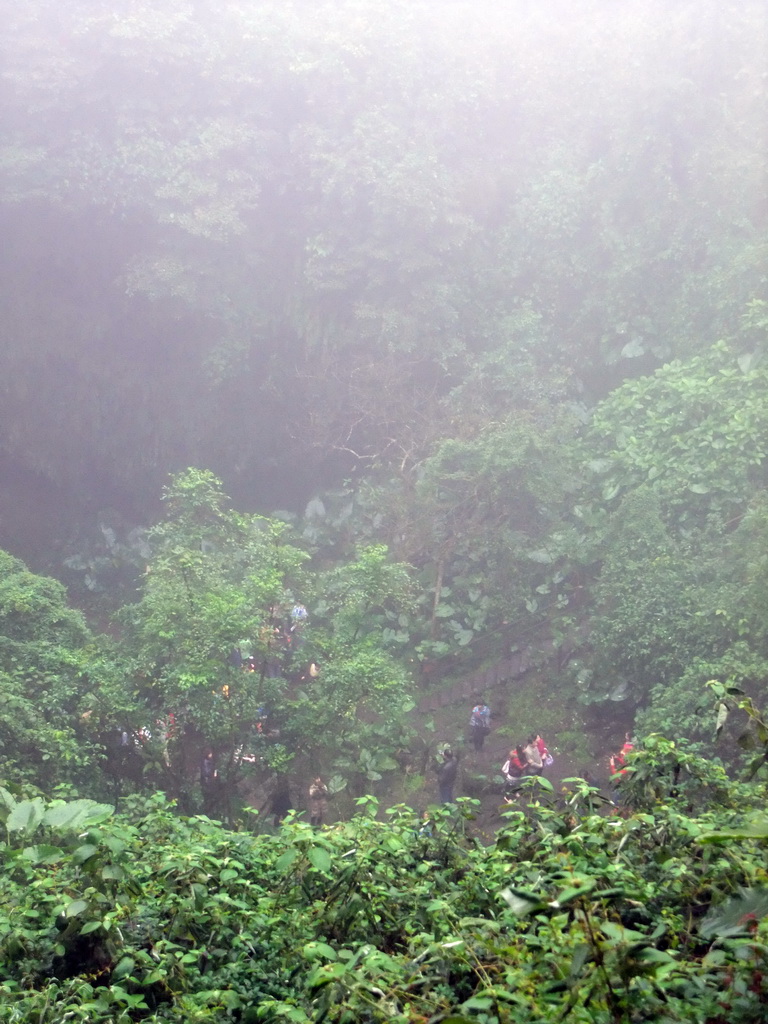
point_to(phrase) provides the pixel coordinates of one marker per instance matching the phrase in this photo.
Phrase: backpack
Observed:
(479, 717)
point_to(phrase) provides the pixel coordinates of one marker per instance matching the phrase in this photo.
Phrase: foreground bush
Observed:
(571, 915)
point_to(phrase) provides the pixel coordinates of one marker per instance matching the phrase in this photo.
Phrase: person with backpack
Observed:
(318, 802)
(513, 769)
(298, 614)
(479, 724)
(280, 801)
(534, 760)
(447, 770)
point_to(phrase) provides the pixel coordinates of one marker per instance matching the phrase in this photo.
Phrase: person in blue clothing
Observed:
(298, 614)
(479, 724)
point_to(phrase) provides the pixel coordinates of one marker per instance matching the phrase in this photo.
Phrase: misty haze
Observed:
(383, 519)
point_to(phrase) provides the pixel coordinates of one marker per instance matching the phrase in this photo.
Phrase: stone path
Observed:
(484, 681)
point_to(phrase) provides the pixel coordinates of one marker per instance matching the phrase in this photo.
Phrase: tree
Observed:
(480, 517)
(735, 598)
(216, 579)
(219, 583)
(568, 913)
(352, 715)
(46, 736)
(656, 604)
(694, 432)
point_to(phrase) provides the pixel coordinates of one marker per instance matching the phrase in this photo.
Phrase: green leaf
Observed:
(542, 556)
(285, 862)
(581, 955)
(748, 361)
(657, 956)
(77, 814)
(84, 853)
(42, 854)
(633, 349)
(617, 933)
(539, 780)
(478, 1003)
(26, 816)
(75, 908)
(336, 784)
(574, 892)
(319, 951)
(755, 828)
(326, 973)
(125, 966)
(319, 858)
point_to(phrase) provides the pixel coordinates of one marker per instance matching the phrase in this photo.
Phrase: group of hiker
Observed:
(448, 765)
(530, 758)
(523, 761)
(526, 759)
(279, 801)
(278, 642)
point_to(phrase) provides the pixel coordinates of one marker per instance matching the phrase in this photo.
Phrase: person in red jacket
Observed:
(513, 770)
(546, 757)
(618, 762)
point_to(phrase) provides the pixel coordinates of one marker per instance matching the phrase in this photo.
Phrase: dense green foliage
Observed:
(220, 584)
(656, 914)
(45, 738)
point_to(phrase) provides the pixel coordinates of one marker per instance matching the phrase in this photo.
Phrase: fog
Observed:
(278, 239)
